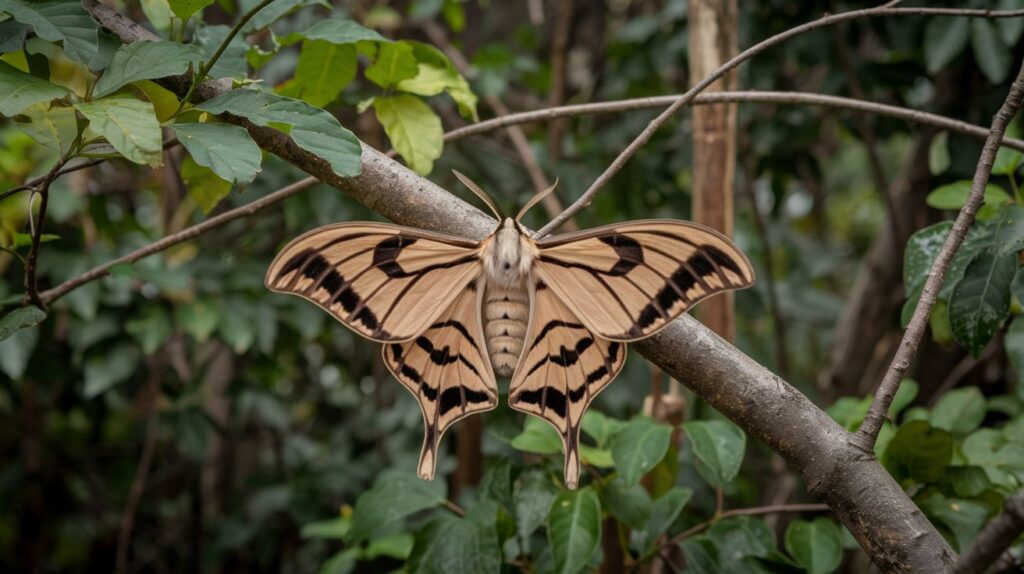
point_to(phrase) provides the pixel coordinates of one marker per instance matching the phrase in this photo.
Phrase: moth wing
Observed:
(627, 281)
(562, 367)
(447, 369)
(385, 282)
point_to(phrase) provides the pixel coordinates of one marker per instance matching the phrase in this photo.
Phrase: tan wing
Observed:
(561, 369)
(385, 282)
(447, 370)
(627, 281)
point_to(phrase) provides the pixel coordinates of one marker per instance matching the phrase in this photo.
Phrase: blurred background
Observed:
(176, 416)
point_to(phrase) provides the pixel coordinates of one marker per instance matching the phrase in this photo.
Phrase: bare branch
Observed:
(997, 536)
(755, 511)
(686, 98)
(868, 432)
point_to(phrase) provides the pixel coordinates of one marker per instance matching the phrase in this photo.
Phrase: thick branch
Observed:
(997, 536)
(868, 432)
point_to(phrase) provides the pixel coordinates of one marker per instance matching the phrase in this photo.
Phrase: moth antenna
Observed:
(536, 199)
(480, 193)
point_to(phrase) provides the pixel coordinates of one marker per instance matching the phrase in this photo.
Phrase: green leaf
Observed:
(1007, 159)
(20, 318)
(954, 196)
(16, 350)
(718, 444)
(335, 31)
(739, 538)
(272, 12)
(981, 300)
(963, 518)
(226, 149)
(968, 480)
(1014, 343)
(944, 39)
(393, 497)
(638, 446)
(919, 452)
(979, 237)
(701, 555)
(159, 14)
(233, 62)
(436, 74)
(574, 529)
(335, 528)
(1003, 462)
(59, 21)
(1010, 28)
(198, 319)
(146, 61)
(599, 427)
(204, 185)
(849, 411)
(1010, 235)
(394, 62)
(150, 328)
(312, 129)
(398, 546)
(19, 90)
(533, 494)
(815, 544)
(343, 562)
(104, 371)
(664, 511)
(922, 249)
(324, 69)
(130, 125)
(959, 411)
(12, 36)
(630, 504)
(414, 129)
(537, 437)
(991, 55)
(905, 395)
(938, 152)
(184, 9)
(53, 126)
(452, 545)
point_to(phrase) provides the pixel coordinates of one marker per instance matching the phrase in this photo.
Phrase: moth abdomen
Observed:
(506, 312)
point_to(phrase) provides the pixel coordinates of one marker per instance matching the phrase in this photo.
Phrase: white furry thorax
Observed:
(508, 255)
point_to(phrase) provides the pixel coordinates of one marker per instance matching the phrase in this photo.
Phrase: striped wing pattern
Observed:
(628, 281)
(447, 369)
(385, 282)
(562, 367)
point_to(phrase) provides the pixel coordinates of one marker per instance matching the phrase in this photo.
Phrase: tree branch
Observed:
(756, 511)
(997, 536)
(686, 98)
(868, 431)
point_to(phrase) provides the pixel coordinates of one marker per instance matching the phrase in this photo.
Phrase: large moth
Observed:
(553, 314)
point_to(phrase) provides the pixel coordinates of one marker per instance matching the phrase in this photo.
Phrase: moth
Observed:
(553, 314)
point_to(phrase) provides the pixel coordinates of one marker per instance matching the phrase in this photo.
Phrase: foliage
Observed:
(279, 443)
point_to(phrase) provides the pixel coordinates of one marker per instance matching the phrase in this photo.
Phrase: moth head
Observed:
(509, 254)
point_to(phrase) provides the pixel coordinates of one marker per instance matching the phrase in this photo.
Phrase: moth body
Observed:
(507, 256)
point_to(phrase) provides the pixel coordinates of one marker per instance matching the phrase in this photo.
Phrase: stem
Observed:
(996, 537)
(865, 437)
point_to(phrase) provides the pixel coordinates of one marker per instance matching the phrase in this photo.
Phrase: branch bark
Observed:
(868, 432)
(997, 536)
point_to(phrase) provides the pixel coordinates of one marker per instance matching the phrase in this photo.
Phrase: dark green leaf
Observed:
(15, 352)
(343, 562)
(150, 328)
(1002, 461)
(59, 21)
(938, 151)
(537, 437)
(533, 494)
(129, 124)
(981, 300)
(313, 129)
(991, 55)
(944, 39)
(146, 61)
(393, 497)
(232, 63)
(198, 319)
(451, 545)
(638, 446)
(574, 529)
(664, 511)
(323, 70)
(599, 427)
(718, 444)
(701, 555)
(739, 538)
(12, 36)
(1010, 28)
(963, 518)
(103, 371)
(336, 31)
(19, 319)
(1010, 235)
(19, 90)
(631, 505)
(919, 452)
(226, 149)
(968, 481)
(53, 126)
(184, 9)
(922, 249)
(394, 62)
(335, 528)
(959, 411)
(815, 544)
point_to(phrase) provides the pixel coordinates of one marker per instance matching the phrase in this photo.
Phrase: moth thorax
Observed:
(506, 311)
(507, 257)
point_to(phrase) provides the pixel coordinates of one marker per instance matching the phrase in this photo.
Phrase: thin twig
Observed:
(686, 98)
(455, 508)
(868, 432)
(996, 537)
(755, 511)
(36, 223)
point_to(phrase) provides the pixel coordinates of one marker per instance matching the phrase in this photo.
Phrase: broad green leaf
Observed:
(739, 538)
(335, 31)
(184, 9)
(638, 446)
(968, 481)
(198, 319)
(204, 185)
(19, 90)
(414, 129)
(393, 497)
(919, 452)
(452, 545)
(20, 318)
(815, 544)
(630, 504)
(159, 14)
(596, 457)
(395, 62)
(701, 555)
(903, 397)
(312, 129)
(963, 518)
(664, 511)
(150, 328)
(922, 249)
(959, 411)
(335, 528)
(226, 149)
(16, 350)
(1010, 235)
(599, 427)
(436, 74)
(1010, 28)
(718, 444)
(12, 35)
(53, 126)
(1007, 159)
(944, 39)
(1002, 461)
(146, 61)
(954, 196)
(233, 62)
(324, 69)
(59, 21)
(533, 494)
(938, 152)
(129, 125)
(103, 371)
(537, 437)
(981, 300)
(574, 529)
(979, 237)
(272, 12)
(991, 55)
